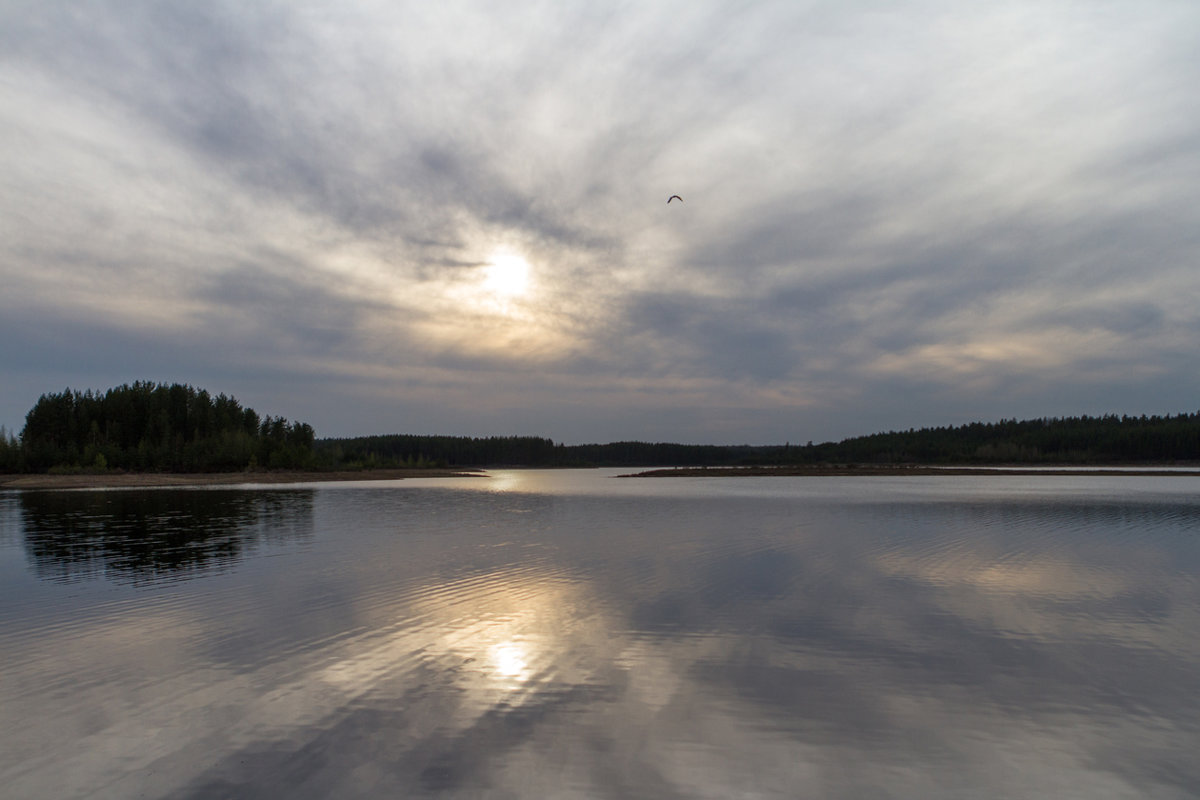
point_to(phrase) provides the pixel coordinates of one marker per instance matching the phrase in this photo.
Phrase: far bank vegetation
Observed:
(1073, 440)
(151, 427)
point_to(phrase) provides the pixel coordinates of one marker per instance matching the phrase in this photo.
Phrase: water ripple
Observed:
(833, 639)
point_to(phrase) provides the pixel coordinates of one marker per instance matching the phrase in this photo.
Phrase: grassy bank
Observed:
(875, 470)
(135, 480)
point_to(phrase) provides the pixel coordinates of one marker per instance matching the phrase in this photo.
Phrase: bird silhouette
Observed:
(674, 197)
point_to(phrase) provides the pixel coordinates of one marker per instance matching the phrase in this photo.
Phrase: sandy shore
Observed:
(740, 472)
(134, 480)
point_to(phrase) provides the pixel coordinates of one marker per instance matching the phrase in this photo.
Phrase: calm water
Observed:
(573, 635)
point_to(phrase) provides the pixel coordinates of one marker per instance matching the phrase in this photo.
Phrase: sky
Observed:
(451, 218)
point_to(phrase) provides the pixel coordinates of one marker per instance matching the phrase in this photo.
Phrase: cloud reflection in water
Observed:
(681, 640)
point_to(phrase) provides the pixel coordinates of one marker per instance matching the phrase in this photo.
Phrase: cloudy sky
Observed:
(443, 218)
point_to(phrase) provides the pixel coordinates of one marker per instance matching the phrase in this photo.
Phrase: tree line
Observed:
(407, 450)
(159, 427)
(1107, 439)
(153, 427)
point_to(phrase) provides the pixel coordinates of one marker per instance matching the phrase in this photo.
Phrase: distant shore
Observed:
(140, 480)
(872, 470)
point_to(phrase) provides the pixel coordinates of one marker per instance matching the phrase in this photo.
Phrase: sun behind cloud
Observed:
(501, 307)
(507, 275)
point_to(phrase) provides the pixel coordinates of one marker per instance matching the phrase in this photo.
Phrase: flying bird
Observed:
(674, 197)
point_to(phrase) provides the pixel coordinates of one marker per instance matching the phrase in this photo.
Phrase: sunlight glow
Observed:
(507, 275)
(504, 305)
(510, 660)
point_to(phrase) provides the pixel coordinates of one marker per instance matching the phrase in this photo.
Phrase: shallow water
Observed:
(572, 634)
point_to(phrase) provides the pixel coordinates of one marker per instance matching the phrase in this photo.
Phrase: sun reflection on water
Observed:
(509, 636)
(509, 660)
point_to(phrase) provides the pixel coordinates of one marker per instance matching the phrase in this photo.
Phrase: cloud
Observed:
(870, 191)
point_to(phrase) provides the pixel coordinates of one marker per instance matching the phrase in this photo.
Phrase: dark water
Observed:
(569, 634)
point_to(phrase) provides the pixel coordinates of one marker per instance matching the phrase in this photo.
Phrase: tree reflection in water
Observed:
(147, 536)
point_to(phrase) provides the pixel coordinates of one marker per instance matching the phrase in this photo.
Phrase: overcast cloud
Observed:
(895, 214)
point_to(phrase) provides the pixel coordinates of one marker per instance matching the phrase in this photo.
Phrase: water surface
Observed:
(571, 634)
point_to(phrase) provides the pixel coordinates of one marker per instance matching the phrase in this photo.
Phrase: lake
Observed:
(571, 634)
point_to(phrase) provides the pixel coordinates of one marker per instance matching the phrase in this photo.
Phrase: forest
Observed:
(152, 427)
(1108, 439)
(148, 426)
(405, 450)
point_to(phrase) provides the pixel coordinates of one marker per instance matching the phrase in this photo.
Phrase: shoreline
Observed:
(154, 480)
(894, 470)
(151, 480)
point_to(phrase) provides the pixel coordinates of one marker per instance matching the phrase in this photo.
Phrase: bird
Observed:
(674, 197)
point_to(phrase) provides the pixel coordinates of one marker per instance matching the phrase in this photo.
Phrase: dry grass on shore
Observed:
(897, 469)
(137, 480)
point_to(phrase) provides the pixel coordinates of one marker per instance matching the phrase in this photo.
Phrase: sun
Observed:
(506, 275)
